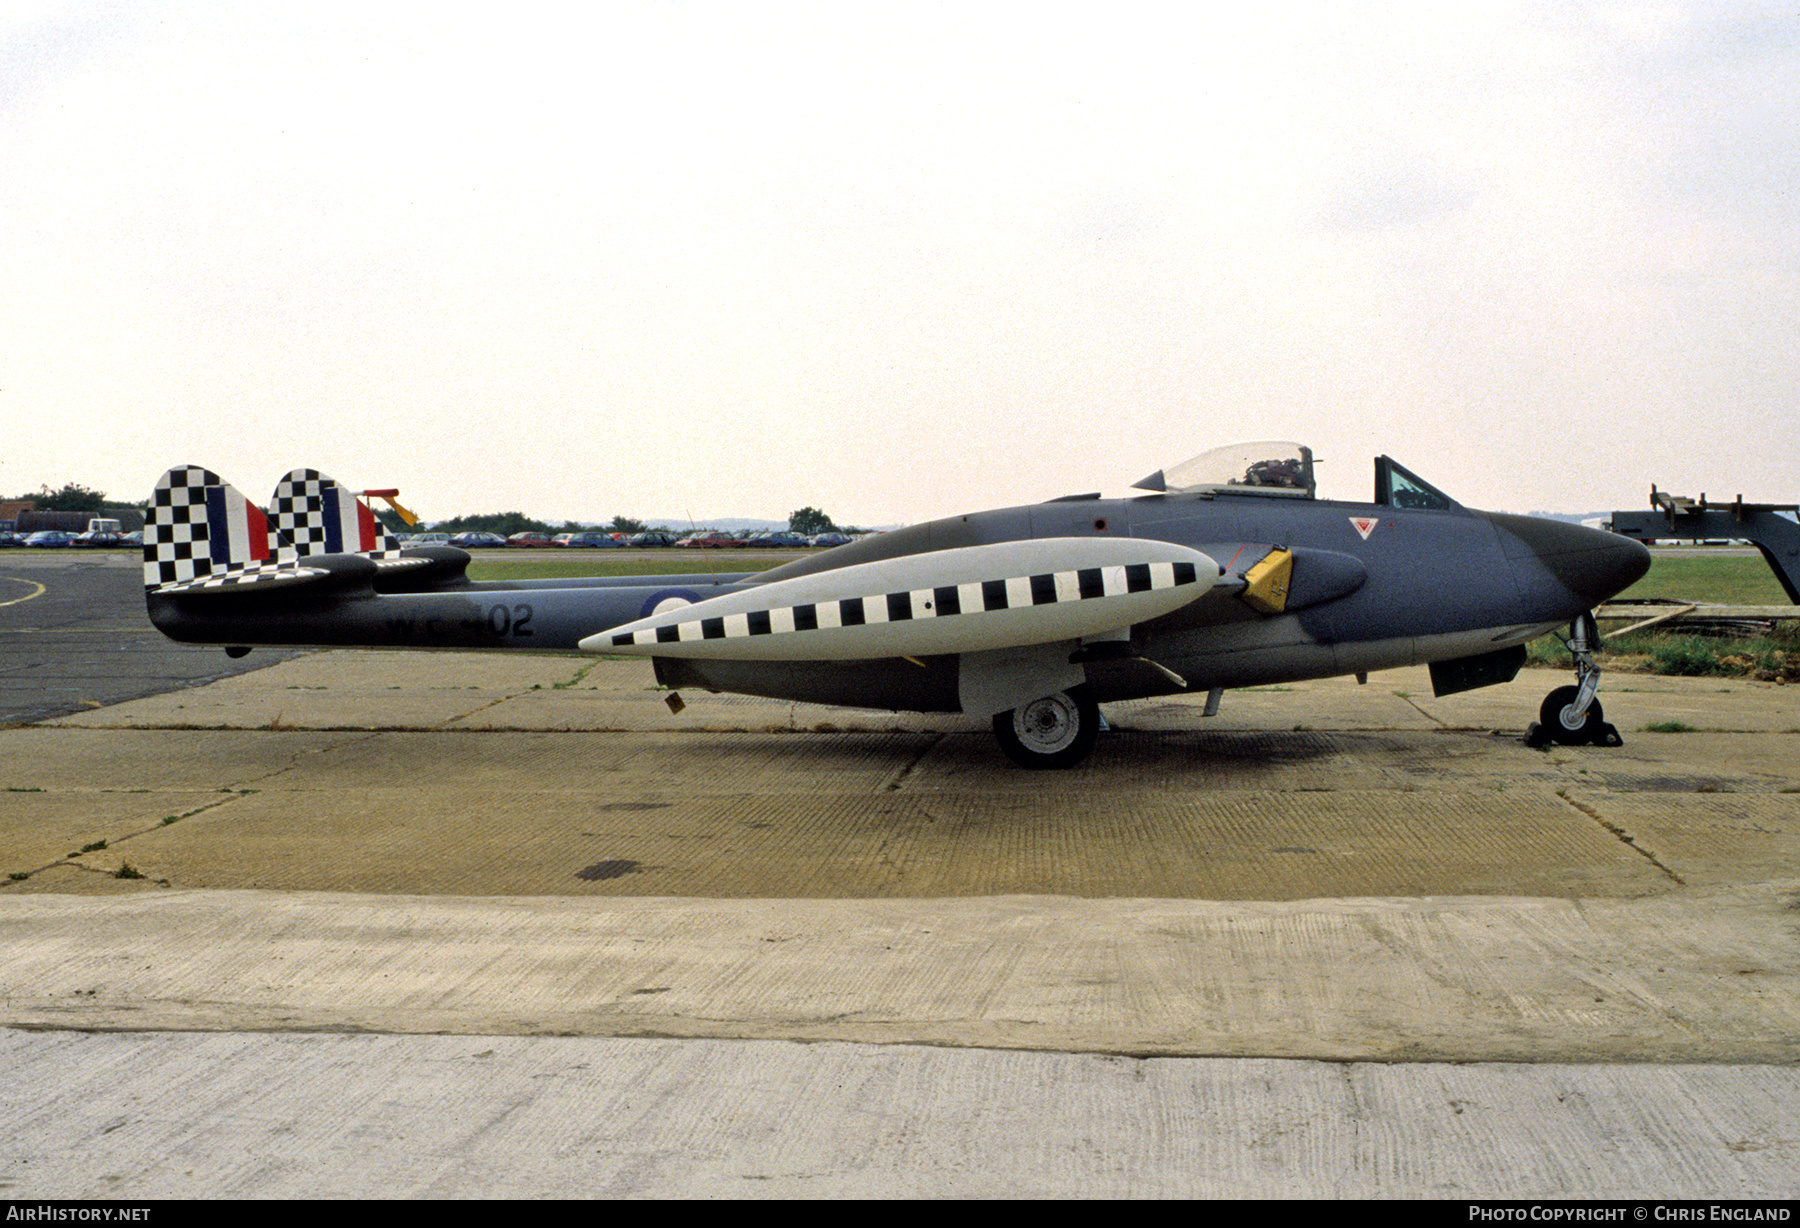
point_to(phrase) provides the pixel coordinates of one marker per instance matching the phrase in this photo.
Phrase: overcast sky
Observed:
(898, 261)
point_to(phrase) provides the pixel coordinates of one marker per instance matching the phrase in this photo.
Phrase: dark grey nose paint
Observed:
(1566, 569)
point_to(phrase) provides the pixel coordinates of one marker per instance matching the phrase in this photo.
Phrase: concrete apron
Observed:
(415, 843)
(1698, 976)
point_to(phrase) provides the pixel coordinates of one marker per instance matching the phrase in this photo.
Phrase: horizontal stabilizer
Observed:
(260, 578)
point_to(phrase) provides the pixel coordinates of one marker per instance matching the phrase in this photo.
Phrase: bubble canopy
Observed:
(1269, 467)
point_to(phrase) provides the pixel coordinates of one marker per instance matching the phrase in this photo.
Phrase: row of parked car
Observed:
(772, 539)
(56, 539)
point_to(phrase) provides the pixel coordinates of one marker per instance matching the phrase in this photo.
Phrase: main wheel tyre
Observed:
(1056, 731)
(1555, 716)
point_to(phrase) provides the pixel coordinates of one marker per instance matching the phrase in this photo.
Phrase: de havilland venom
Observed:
(1229, 573)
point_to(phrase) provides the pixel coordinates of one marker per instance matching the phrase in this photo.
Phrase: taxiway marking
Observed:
(28, 596)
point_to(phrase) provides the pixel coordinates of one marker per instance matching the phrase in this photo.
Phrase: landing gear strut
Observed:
(1572, 715)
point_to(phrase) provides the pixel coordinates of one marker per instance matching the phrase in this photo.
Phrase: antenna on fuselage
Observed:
(695, 526)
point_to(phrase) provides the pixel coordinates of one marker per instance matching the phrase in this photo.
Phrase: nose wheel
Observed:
(1565, 723)
(1572, 715)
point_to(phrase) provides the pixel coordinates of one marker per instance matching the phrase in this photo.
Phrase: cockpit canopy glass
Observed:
(1271, 467)
(1398, 486)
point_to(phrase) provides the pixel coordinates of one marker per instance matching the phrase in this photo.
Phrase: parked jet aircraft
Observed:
(1228, 572)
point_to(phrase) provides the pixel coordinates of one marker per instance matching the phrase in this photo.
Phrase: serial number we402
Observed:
(509, 620)
(500, 620)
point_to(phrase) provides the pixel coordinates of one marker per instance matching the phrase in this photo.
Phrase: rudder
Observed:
(321, 517)
(201, 532)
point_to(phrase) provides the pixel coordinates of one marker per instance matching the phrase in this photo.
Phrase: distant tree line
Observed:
(508, 523)
(808, 520)
(73, 497)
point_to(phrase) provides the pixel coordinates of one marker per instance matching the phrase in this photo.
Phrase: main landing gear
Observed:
(1056, 731)
(1571, 715)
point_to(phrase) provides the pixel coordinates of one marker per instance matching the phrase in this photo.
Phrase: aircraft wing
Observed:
(965, 600)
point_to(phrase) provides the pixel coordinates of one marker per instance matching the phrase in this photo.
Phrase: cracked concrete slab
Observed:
(294, 1116)
(121, 760)
(36, 831)
(1708, 839)
(345, 690)
(1694, 976)
(471, 839)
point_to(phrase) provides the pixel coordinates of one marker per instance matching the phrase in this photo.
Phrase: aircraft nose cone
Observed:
(1564, 569)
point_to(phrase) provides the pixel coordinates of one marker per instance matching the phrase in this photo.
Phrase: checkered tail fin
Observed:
(320, 517)
(201, 535)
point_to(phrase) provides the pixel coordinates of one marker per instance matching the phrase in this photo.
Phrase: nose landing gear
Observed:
(1571, 715)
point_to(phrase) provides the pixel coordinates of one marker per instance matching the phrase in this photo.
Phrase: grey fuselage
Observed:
(1412, 587)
